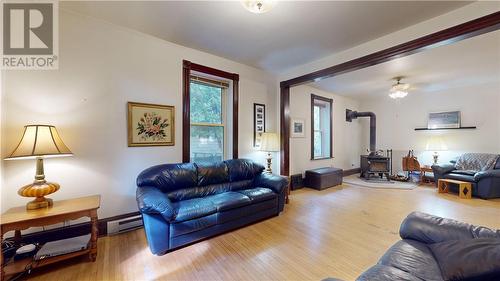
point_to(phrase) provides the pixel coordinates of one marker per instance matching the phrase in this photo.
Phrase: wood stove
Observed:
(373, 163)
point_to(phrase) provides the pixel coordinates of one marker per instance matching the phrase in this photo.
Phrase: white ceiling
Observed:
(291, 34)
(470, 62)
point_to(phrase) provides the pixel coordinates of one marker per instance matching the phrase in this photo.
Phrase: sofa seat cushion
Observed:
(382, 272)
(413, 257)
(193, 208)
(258, 194)
(229, 200)
(185, 227)
(460, 177)
(465, 172)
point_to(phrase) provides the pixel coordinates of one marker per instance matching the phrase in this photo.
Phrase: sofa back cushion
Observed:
(185, 181)
(169, 177)
(214, 173)
(243, 169)
(198, 191)
(239, 185)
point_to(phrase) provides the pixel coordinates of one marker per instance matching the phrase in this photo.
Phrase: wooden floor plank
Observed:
(337, 232)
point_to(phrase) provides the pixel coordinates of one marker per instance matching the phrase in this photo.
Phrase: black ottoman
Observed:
(322, 178)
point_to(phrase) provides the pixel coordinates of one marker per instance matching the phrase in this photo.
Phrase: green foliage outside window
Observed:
(206, 104)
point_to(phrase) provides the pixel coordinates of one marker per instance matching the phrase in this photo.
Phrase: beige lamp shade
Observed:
(435, 144)
(40, 141)
(269, 142)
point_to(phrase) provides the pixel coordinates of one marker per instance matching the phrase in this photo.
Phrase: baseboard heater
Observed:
(124, 225)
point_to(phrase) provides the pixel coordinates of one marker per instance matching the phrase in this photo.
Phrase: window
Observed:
(321, 124)
(226, 106)
(207, 120)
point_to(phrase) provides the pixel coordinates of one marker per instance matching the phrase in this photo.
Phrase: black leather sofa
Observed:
(485, 184)
(184, 203)
(435, 248)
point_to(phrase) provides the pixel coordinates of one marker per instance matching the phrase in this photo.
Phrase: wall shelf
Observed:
(460, 128)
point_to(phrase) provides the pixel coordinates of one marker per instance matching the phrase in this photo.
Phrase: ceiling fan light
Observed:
(258, 6)
(398, 94)
(399, 90)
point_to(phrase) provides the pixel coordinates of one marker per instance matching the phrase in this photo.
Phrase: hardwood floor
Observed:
(338, 232)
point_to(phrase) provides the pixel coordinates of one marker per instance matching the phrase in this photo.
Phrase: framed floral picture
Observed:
(150, 124)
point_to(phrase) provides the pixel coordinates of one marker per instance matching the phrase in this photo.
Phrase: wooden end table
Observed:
(19, 218)
(465, 188)
(423, 170)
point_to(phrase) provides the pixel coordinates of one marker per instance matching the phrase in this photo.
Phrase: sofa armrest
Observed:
(151, 200)
(277, 183)
(432, 229)
(487, 174)
(442, 168)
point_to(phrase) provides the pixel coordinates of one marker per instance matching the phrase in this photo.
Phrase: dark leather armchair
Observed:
(485, 184)
(184, 203)
(435, 248)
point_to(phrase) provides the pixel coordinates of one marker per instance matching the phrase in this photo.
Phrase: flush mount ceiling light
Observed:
(258, 6)
(399, 90)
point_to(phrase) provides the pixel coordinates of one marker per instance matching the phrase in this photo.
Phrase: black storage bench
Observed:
(322, 178)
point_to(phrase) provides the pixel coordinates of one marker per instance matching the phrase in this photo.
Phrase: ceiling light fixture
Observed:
(399, 90)
(258, 6)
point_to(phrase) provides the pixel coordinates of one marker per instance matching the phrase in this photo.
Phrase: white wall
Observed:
(396, 121)
(101, 67)
(346, 136)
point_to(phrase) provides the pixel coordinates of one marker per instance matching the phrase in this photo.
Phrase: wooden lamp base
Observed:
(38, 203)
(38, 190)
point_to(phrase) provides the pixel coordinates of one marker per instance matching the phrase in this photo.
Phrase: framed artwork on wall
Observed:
(298, 128)
(259, 123)
(150, 124)
(444, 120)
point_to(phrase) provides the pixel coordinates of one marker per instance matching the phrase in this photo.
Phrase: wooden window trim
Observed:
(330, 103)
(187, 69)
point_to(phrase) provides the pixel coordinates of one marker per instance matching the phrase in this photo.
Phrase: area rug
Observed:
(376, 183)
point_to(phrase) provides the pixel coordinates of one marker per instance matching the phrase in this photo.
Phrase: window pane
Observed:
(207, 144)
(317, 118)
(321, 124)
(206, 103)
(318, 144)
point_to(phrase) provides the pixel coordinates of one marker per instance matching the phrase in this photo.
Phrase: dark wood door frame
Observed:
(187, 67)
(447, 36)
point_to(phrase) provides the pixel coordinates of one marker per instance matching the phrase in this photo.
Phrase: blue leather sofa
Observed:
(435, 248)
(485, 184)
(184, 203)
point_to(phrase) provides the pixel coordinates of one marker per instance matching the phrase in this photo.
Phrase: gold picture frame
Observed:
(150, 124)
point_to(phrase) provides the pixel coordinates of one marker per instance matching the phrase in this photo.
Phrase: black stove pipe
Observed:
(351, 114)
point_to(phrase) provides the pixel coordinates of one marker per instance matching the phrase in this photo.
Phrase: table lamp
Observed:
(39, 142)
(269, 142)
(435, 144)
